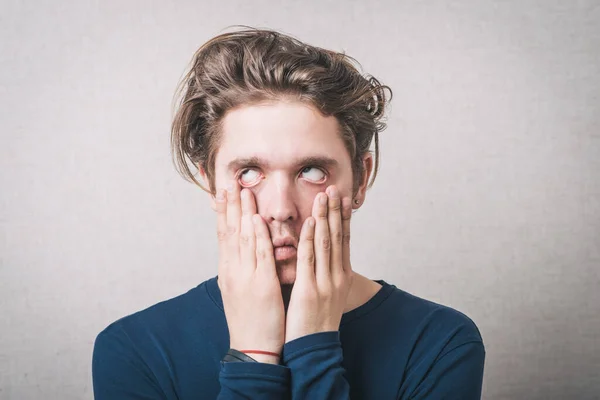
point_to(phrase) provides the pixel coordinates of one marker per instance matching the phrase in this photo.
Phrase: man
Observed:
(280, 133)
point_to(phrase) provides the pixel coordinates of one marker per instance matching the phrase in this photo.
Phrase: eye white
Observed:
(249, 176)
(315, 175)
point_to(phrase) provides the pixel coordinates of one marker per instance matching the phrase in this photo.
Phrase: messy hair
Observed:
(255, 65)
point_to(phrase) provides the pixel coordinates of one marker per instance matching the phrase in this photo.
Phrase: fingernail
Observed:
(323, 199)
(230, 188)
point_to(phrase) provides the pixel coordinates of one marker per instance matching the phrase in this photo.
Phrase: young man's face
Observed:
(285, 153)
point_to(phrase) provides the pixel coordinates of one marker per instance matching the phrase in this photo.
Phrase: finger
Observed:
(346, 215)
(265, 260)
(305, 269)
(222, 235)
(334, 219)
(234, 214)
(247, 236)
(322, 241)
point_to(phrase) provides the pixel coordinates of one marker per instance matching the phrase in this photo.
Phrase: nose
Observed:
(278, 200)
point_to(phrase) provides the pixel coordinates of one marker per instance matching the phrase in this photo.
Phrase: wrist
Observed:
(265, 358)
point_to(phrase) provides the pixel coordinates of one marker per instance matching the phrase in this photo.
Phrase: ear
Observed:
(362, 189)
(202, 173)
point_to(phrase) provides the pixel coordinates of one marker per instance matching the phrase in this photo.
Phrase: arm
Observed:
(120, 373)
(315, 362)
(323, 279)
(252, 380)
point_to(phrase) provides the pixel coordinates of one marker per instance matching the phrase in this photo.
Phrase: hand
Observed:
(323, 272)
(248, 279)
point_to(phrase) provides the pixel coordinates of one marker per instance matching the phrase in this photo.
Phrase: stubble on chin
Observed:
(286, 272)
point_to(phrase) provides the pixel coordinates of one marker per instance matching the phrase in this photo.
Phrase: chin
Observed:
(286, 272)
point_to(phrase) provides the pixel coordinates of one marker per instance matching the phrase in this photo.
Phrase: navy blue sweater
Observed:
(395, 346)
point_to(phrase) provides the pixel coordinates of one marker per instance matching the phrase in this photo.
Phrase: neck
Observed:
(361, 291)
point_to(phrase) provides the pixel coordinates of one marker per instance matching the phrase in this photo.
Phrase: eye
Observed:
(314, 174)
(249, 177)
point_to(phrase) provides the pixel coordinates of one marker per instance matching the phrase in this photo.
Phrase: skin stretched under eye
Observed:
(249, 176)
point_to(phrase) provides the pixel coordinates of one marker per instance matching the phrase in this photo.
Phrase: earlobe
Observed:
(367, 170)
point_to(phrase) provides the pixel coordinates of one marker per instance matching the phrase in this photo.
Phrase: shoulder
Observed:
(437, 335)
(439, 348)
(446, 350)
(427, 330)
(428, 318)
(165, 317)
(134, 354)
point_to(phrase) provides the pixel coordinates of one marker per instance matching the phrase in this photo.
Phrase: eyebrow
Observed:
(318, 161)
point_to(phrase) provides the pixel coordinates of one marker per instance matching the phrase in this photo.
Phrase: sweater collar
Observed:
(386, 289)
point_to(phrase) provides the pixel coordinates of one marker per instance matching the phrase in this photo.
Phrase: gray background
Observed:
(487, 201)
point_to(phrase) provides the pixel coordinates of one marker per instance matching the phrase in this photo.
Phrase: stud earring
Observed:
(356, 201)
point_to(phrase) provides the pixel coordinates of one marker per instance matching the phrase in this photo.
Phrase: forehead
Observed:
(280, 132)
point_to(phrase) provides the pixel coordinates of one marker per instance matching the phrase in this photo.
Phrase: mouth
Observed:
(284, 248)
(283, 253)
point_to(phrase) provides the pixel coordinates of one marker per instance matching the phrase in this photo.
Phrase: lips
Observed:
(284, 248)
(285, 241)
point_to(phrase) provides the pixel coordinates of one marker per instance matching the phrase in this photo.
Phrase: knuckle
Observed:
(326, 243)
(232, 198)
(338, 237)
(309, 258)
(339, 279)
(346, 238)
(232, 230)
(326, 294)
(222, 236)
(261, 254)
(245, 239)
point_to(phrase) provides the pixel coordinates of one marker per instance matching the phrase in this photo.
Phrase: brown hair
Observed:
(254, 65)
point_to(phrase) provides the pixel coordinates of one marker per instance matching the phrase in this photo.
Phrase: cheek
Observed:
(304, 212)
(307, 199)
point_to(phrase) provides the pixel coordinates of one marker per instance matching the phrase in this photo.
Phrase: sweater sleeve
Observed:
(120, 373)
(250, 380)
(315, 362)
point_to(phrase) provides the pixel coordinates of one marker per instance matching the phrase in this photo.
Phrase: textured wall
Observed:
(488, 197)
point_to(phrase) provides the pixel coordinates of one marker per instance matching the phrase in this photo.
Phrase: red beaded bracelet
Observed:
(266, 353)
